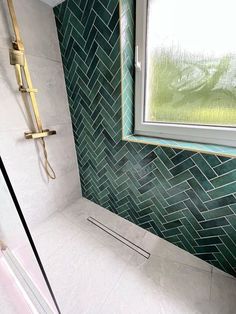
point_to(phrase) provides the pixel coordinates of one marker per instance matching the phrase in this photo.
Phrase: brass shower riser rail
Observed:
(18, 60)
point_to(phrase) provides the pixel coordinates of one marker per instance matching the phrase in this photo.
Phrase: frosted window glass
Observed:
(191, 62)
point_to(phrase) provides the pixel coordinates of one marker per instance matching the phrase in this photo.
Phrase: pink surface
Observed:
(11, 291)
(27, 259)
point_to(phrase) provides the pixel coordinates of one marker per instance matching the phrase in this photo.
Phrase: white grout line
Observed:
(119, 237)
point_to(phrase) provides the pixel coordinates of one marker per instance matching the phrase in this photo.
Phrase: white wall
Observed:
(11, 229)
(38, 198)
(53, 3)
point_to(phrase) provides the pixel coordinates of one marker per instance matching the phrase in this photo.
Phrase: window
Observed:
(185, 61)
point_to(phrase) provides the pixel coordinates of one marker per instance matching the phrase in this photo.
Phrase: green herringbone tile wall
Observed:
(187, 198)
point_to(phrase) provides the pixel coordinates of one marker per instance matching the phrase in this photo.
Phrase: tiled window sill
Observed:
(196, 147)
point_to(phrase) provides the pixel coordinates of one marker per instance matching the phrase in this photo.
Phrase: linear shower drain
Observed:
(119, 237)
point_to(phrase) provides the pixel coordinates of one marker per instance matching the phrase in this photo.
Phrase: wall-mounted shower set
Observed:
(18, 59)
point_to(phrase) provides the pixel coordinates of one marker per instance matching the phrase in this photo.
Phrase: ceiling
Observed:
(52, 3)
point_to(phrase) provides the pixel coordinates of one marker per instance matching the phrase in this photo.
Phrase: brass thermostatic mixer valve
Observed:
(18, 60)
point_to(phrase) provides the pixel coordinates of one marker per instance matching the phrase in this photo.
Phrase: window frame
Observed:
(184, 132)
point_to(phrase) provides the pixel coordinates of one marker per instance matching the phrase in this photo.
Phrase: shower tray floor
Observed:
(92, 272)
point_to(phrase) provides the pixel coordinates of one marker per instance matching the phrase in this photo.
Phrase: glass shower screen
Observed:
(23, 282)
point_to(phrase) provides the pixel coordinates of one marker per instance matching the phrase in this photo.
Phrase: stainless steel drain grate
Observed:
(119, 237)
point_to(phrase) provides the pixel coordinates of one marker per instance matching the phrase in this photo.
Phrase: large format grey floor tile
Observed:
(53, 235)
(91, 272)
(160, 247)
(83, 270)
(160, 286)
(223, 294)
